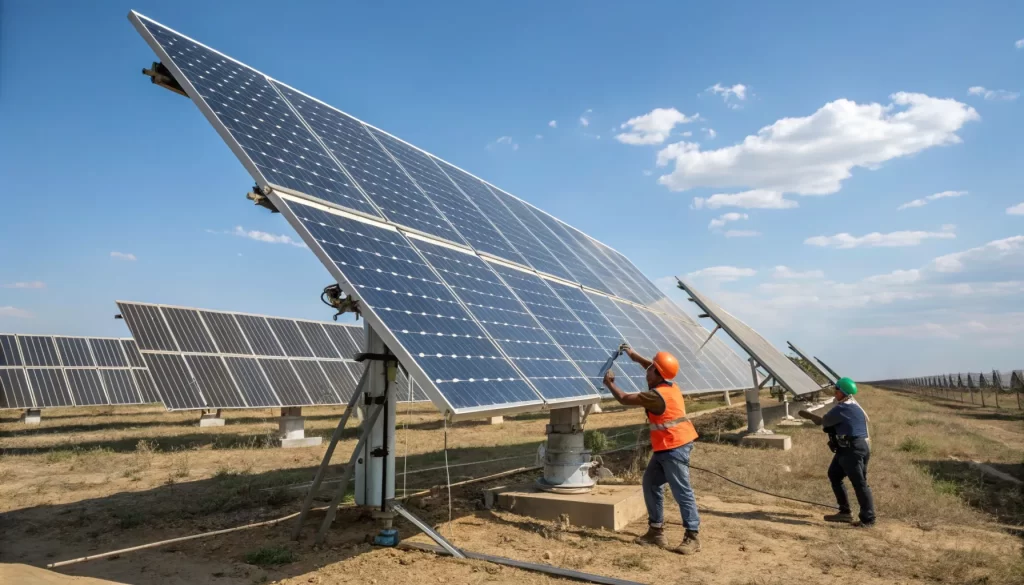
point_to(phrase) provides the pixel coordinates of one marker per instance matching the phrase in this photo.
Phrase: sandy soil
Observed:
(82, 483)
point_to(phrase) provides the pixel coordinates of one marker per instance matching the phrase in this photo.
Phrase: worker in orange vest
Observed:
(672, 437)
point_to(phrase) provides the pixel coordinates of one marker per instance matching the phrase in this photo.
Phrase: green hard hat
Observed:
(846, 386)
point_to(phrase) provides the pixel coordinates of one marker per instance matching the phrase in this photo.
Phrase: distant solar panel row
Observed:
(500, 305)
(44, 371)
(1001, 380)
(213, 359)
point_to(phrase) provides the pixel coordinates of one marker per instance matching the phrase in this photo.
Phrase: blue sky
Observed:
(863, 112)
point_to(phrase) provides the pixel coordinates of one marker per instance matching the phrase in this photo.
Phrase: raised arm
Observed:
(623, 398)
(644, 362)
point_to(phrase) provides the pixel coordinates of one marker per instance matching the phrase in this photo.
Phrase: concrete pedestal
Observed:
(566, 460)
(605, 506)
(779, 442)
(291, 430)
(32, 416)
(211, 419)
(497, 420)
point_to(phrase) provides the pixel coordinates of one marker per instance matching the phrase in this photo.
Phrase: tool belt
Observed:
(668, 425)
(836, 442)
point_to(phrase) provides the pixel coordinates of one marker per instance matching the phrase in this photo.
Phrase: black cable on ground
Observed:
(753, 489)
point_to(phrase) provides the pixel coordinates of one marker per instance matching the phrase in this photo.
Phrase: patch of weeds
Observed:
(632, 561)
(595, 441)
(913, 445)
(946, 487)
(142, 459)
(60, 456)
(270, 556)
(181, 465)
(576, 561)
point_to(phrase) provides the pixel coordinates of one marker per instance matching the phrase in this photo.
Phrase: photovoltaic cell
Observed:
(362, 156)
(284, 380)
(86, 387)
(148, 327)
(317, 339)
(347, 345)
(619, 283)
(315, 381)
(38, 350)
(14, 390)
(260, 337)
(287, 332)
(9, 355)
(49, 388)
(74, 352)
(188, 330)
(180, 392)
(581, 256)
(214, 381)
(341, 379)
(120, 386)
(131, 351)
(147, 389)
(109, 353)
(418, 309)
(226, 333)
(252, 382)
(260, 121)
(508, 322)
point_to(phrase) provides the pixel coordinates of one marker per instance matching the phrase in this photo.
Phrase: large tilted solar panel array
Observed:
(822, 369)
(213, 359)
(50, 371)
(785, 372)
(490, 302)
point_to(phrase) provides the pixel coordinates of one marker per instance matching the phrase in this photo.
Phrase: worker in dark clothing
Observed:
(672, 437)
(847, 428)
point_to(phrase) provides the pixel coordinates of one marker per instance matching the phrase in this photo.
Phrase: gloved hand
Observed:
(609, 378)
(624, 347)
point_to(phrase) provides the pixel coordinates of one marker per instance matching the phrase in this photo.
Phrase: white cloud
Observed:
(265, 237)
(742, 233)
(969, 325)
(553, 124)
(653, 127)
(895, 277)
(755, 199)
(1015, 209)
(813, 155)
(731, 94)
(899, 239)
(648, 172)
(923, 330)
(538, 136)
(15, 312)
(993, 95)
(1019, 44)
(503, 141)
(23, 285)
(926, 200)
(123, 256)
(726, 218)
(999, 257)
(585, 118)
(787, 273)
(722, 273)
(710, 132)
(687, 134)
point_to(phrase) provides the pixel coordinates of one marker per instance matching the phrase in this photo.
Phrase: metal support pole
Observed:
(728, 399)
(332, 508)
(322, 470)
(755, 421)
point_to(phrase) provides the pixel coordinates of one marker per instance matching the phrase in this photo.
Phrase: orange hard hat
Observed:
(666, 364)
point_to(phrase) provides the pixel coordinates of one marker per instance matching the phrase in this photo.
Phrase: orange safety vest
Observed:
(671, 428)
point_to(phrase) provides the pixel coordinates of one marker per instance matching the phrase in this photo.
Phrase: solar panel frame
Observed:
(10, 353)
(813, 361)
(49, 387)
(38, 351)
(120, 386)
(15, 391)
(785, 372)
(86, 387)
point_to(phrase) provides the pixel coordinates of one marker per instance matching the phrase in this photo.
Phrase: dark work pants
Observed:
(852, 462)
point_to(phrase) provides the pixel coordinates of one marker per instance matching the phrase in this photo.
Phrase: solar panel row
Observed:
(213, 359)
(476, 306)
(42, 371)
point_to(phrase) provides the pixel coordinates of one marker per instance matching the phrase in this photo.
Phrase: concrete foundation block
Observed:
(32, 416)
(302, 442)
(779, 442)
(790, 423)
(497, 420)
(211, 422)
(291, 427)
(605, 506)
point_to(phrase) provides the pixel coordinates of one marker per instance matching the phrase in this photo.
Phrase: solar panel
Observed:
(785, 372)
(67, 371)
(236, 360)
(827, 368)
(813, 362)
(414, 238)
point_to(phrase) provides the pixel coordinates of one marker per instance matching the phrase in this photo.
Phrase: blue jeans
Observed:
(671, 467)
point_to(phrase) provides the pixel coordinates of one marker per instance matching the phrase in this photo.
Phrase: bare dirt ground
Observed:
(88, 481)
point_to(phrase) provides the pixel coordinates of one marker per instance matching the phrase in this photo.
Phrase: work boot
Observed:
(655, 536)
(843, 517)
(690, 544)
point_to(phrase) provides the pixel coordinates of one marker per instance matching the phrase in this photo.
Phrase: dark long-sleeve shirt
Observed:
(846, 419)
